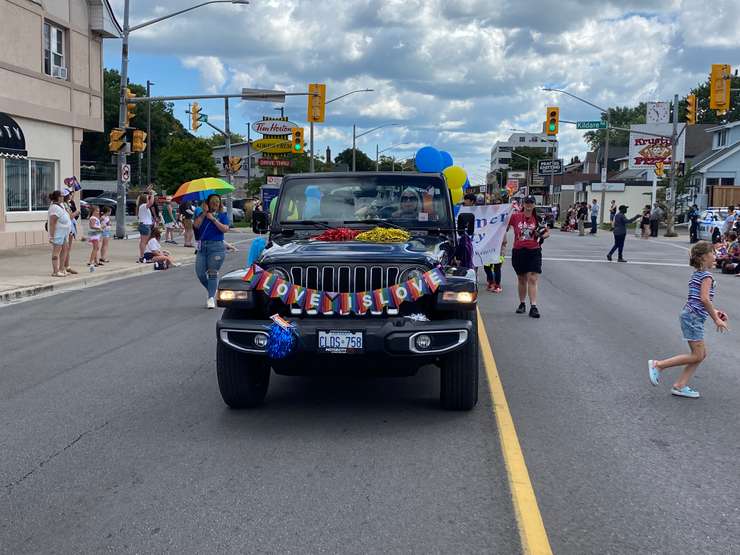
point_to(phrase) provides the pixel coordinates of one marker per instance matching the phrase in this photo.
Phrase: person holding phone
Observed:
(211, 222)
(146, 221)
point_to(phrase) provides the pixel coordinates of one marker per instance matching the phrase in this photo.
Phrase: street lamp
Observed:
(355, 136)
(529, 161)
(121, 158)
(605, 165)
(378, 152)
(311, 162)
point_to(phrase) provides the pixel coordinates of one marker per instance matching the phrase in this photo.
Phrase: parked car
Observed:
(84, 209)
(712, 218)
(547, 213)
(237, 214)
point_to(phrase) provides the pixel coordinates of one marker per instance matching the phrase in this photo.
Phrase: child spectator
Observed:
(154, 253)
(94, 237)
(105, 234)
(697, 309)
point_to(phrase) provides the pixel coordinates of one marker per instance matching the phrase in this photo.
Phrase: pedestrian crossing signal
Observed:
(552, 120)
(297, 140)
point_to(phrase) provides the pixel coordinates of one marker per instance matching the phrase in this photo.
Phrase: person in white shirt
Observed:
(146, 222)
(154, 253)
(59, 226)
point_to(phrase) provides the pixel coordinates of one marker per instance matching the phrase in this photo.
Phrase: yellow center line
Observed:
(528, 518)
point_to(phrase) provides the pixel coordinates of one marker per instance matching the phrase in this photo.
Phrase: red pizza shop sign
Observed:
(273, 127)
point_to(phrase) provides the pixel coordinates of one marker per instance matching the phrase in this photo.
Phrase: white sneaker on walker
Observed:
(211, 303)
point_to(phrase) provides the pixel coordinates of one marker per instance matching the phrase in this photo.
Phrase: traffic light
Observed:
(660, 169)
(235, 164)
(138, 143)
(297, 139)
(195, 116)
(130, 108)
(316, 102)
(552, 120)
(117, 139)
(691, 109)
(719, 88)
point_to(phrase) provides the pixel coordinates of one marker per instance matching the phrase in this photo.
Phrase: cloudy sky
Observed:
(456, 74)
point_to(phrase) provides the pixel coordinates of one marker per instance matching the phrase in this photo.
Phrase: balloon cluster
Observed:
(430, 160)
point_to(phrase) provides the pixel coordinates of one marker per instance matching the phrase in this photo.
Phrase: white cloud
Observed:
(212, 71)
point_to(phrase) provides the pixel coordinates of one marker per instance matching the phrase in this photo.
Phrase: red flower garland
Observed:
(339, 234)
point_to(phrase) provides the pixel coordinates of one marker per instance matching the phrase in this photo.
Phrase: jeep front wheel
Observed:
(242, 378)
(459, 372)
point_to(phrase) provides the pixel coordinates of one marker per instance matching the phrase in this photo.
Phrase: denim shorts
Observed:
(145, 229)
(692, 325)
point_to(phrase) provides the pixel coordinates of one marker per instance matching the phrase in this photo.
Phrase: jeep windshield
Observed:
(406, 200)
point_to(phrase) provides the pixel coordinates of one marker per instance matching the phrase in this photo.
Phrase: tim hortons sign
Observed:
(273, 127)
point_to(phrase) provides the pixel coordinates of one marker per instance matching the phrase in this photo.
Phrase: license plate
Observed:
(341, 341)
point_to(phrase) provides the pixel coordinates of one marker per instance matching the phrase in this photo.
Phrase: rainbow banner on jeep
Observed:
(332, 302)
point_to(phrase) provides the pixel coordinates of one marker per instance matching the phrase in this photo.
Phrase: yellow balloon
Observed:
(457, 195)
(455, 177)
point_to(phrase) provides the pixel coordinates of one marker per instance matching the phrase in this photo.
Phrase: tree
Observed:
(363, 163)
(621, 116)
(300, 163)
(184, 159)
(534, 154)
(704, 114)
(217, 139)
(164, 125)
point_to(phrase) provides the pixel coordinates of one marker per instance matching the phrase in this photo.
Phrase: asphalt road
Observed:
(620, 466)
(114, 438)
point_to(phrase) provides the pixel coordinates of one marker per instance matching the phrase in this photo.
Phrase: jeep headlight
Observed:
(411, 273)
(228, 295)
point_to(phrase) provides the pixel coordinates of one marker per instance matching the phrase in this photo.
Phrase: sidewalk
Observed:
(27, 272)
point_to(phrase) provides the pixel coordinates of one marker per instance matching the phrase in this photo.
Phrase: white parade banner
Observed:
(490, 228)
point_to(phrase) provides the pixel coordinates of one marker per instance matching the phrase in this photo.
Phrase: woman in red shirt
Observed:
(526, 255)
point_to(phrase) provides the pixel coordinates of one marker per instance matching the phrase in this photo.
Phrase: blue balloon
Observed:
(456, 209)
(446, 159)
(312, 191)
(466, 184)
(429, 160)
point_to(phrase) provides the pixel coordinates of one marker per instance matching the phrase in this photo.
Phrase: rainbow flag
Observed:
(275, 288)
(253, 274)
(434, 278)
(327, 302)
(287, 292)
(415, 288)
(399, 294)
(380, 298)
(296, 295)
(359, 307)
(265, 281)
(346, 300)
(310, 302)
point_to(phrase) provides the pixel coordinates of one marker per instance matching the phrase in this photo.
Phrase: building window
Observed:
(533, 140)
(722, 138)
(727, 181)
(54, 60)
(522, 139)
(28, 184)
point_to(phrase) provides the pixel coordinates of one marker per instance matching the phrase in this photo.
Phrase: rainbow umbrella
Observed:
(199, 189)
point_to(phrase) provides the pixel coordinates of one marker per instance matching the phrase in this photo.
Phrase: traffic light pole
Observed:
(310, 149)
(671, 205)
(229, 199)
(121, 156)
(149, 133)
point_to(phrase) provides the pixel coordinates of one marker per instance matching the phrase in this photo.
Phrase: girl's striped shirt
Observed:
(694, 302)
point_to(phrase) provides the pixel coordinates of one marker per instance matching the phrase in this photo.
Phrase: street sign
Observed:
(126, 173)
(276, 180)
(263, 95)
(607, 187)
(516, 175)
(550, 167)
(270, 163)
(272, 146)
(590, 125)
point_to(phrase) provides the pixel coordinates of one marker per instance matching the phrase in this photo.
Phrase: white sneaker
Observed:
(211, 303)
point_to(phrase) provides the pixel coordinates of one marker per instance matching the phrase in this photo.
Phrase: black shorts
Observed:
(526, 260)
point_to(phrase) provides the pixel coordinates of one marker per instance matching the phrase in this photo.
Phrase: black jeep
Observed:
(437, 328)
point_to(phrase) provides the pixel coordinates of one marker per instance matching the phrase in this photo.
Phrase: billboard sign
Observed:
(273, 127)
(646, 150)
(272, 146)
(550, 167)
(273, 163)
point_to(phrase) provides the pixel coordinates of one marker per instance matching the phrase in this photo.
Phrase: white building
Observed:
(501, 152)
(51, 76)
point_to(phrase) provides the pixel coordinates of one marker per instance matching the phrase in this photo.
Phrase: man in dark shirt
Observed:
(694, 227)
(620, 232)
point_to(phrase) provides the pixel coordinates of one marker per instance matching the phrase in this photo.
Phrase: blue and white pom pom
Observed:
(281, 339)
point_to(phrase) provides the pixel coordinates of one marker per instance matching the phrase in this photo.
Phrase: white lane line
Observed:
(669, 244)
(673, 264)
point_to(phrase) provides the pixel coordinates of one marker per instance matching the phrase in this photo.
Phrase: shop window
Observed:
(28, 184)
(54, 59)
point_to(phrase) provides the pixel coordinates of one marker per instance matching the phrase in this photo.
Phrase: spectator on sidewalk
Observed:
(106, 233)
(645, 222)
(729, 222)
(186, 215)
(655, 218)
(595, 208)
(154, 252)
(612, 213)
(59, 225)
(94, 237)
(581, 215)
(146, 222)
(168, 219)
(74, 213)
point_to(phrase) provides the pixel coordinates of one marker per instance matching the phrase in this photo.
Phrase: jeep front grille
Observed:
(344, 279)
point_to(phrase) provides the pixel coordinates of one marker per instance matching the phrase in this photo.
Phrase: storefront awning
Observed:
(12, 140)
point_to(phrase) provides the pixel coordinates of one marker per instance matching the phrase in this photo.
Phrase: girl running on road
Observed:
(695, 312)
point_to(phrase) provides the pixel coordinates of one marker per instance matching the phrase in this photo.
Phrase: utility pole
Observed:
(605, 168)
(377, 154)
(121, 156)
(670, 205)
(149, 133)
(354, 141)
(311, 166)
(229, 201)
(249, 153)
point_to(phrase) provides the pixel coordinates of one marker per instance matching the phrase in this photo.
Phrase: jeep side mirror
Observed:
(260, 222)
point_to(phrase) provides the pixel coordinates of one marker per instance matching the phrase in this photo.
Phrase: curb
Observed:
(81, 282)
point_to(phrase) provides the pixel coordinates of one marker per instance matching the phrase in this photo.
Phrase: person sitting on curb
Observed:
(154, 253)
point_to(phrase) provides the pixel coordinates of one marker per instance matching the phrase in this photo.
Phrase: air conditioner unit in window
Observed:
(59, 72)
